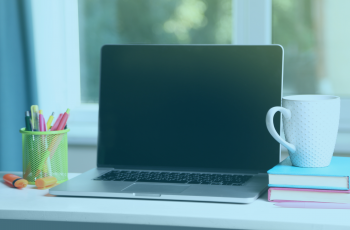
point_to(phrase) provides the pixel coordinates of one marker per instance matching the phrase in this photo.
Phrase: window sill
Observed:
(85, 133)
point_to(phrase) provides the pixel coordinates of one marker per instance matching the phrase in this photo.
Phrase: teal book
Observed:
(335, 176)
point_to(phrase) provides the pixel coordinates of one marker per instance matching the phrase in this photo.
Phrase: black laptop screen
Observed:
(196, 107)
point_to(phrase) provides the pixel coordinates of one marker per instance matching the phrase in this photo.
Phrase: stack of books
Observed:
(293, 184)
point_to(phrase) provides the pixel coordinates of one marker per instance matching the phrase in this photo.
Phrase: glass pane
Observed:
(315, 38)
(148, 22)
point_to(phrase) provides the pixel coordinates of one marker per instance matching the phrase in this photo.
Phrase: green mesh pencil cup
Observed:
(45, 154)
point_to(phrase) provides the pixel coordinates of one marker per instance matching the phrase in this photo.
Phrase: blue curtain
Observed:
(17, 79)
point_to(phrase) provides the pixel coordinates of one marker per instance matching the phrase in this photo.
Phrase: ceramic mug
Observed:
(310, 124)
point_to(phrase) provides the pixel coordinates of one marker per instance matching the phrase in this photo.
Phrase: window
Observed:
(69, 40)
(317, 50)
(315, 43)
(162, 22)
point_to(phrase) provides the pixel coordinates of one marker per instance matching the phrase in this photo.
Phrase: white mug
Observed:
(310, 124)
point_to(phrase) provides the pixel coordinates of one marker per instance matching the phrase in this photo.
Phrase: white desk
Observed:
(38, 205)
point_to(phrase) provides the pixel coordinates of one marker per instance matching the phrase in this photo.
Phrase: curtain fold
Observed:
(17, 79)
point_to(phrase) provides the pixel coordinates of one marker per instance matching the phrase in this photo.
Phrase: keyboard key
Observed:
(227, 178)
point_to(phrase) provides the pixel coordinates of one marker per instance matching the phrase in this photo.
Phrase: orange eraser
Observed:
(45, 182)
(15, 181)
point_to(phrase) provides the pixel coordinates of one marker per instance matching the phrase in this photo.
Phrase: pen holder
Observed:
(45, 154)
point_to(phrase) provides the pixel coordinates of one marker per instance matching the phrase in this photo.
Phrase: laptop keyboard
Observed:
(173, 177)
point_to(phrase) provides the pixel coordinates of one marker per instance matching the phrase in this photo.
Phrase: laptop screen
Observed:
(192, 107)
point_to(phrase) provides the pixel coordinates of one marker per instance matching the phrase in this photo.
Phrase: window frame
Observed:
(56, 42)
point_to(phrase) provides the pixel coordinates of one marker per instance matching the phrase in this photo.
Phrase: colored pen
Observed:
(35, 117)
(44, 123)
(29, 125)
(313, 205)
(63, 120)
(57, 122)
(28, 122)
(41, 121)
(15, 181)
(48, 125)
(43, 138)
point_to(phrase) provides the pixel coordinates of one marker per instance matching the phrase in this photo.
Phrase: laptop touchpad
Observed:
(155, 188)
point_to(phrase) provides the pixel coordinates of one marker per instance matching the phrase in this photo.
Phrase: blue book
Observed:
(335, 176)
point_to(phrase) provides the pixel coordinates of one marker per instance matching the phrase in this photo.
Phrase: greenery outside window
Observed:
(311, 32)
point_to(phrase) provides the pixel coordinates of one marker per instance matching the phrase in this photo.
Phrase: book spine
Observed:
(304, 190)
(309, 187)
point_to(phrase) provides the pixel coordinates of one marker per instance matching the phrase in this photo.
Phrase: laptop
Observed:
(184, 122)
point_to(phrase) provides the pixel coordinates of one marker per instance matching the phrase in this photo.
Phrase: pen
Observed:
(28, 122)
(44, 123)
(41, 121)
(313, 205)
(63, 120)
(35, 117)
(48, 125)
(57, 122)
(29, 125)
(43, 138)
(55, 143)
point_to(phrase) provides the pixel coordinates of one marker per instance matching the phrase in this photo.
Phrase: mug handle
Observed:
(271, 127)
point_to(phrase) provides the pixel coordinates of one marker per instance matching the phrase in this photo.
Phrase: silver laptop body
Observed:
(184, 122)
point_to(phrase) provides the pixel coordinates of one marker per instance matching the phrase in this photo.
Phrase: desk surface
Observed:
(33, 204)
